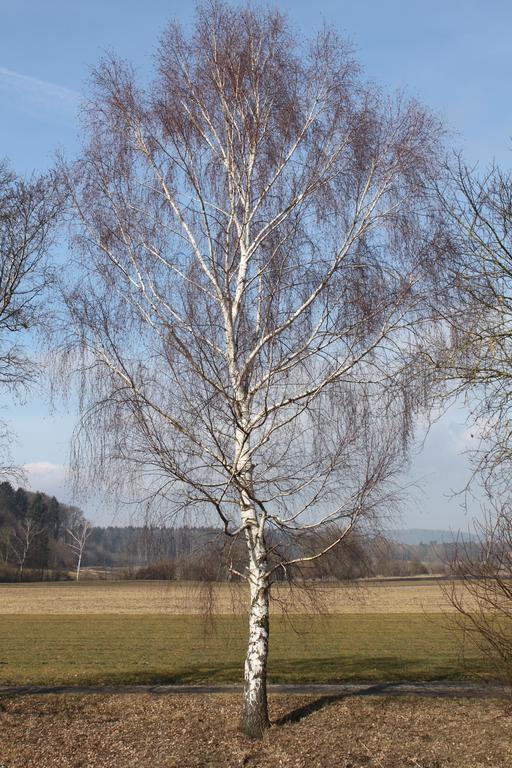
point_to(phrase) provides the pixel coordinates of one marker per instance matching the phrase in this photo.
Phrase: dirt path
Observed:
(437, 689)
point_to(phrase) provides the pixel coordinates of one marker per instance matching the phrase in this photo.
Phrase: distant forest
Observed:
(36, 538)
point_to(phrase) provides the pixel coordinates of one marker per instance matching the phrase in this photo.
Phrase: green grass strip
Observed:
(121, 649)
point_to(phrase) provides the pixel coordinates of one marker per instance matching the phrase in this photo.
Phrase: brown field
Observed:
(129, 731)
(146, 597)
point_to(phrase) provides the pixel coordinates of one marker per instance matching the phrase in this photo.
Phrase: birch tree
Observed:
(28, 212)
(257, 250)
(474, 359)
(22, 540)
(473, 362)
(78, 533)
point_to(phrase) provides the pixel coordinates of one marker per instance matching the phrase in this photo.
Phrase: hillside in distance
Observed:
(36, 543)
(415, 536)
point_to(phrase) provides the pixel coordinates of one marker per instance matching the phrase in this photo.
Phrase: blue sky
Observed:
(454, 56)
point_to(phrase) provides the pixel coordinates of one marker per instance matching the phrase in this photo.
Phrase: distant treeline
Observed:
(33, 530)
(35, 544)
(189, 552)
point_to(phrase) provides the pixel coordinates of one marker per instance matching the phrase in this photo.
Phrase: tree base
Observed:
(254, 720)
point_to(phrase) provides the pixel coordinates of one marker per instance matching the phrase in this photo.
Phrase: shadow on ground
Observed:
(326, 670)
(295, 715)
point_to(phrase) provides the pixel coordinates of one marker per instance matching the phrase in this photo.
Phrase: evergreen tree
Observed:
(7, 504)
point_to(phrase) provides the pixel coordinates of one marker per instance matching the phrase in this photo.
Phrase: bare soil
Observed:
(193, 731)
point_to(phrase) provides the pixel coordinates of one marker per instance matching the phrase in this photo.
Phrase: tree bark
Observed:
(254, 720)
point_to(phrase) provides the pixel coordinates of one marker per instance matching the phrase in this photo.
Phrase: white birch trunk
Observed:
(254, 719)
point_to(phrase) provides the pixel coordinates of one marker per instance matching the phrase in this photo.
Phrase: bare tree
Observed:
(78, 533)
(481, 589)
(257, 249)
(474, 362)
(21, 541)
(475, 357)
(28, 210)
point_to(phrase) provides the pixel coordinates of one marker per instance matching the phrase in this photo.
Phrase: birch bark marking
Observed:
(254, 719)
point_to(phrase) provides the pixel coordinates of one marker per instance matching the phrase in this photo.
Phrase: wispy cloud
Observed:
(38, 92)
(46, 476)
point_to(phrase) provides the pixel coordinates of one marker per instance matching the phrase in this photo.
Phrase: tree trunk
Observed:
(254, 720)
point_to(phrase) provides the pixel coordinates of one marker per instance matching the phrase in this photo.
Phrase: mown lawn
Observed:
(118, 649)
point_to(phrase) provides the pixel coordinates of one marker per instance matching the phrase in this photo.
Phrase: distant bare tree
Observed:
(21, 541)
(78, 533)
(258, 255)
(28, 210)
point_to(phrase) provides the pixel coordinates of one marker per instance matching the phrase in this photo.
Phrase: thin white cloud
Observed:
(47, 477)
(40, 92)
